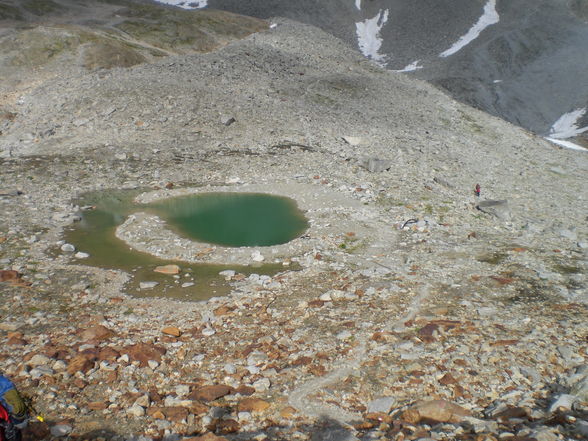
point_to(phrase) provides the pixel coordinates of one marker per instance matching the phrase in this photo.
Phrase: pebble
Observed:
(81, 255)
(148, 285)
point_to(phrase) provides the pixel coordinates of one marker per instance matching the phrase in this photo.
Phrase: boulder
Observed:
(435, 411)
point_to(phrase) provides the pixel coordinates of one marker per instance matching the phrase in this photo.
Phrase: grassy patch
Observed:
(495, 258)
(41, 7)
(8, 12)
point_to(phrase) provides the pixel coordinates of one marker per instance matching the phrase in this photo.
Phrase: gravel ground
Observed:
(467, 323)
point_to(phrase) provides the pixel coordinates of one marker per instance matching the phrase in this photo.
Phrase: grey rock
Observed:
(40, 371)
(565, 401)
(498, 209)
(334, 434)
(544, 434)
(580, 388)
(443, 182)
(383, 405)
(531, 373)
(375, 165)
(68, 248)
(353, 140)
(582, 428)
(568, 233)
(61, 430)
(227, 120)
(148, 285)
(9, 192)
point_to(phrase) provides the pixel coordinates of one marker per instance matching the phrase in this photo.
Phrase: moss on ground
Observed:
(41, 7)
(8, 12)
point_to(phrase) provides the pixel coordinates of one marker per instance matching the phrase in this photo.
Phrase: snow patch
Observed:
(368, 36)
(488, 18)
(411, 67)
(567, 125)
(567, 144)
(186, 4)
(358, 4)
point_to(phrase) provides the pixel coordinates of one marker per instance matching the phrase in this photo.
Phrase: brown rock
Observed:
(97, 332)
(223, 310)
(156, 413)
(9, 275)
(175, 414)
(143, 352)
(288, 412)
(108, 354)
(16, 341)
(435, 411)
(245, 390)
(252, 405)
(198, 409)
(167, 269)
(227, 426)
(97, 405)
(206, 437)
(447, 379)
(79, 364)
(211, 393)
(36, 430)
(172, 330)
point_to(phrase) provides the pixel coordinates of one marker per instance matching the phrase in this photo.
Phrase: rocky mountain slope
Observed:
(524, 61)
(415, 311)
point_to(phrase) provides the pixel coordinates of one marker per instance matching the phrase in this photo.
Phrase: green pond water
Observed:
(190, 216)
(234, 219)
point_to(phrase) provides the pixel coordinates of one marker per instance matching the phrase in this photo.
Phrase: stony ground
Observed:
(464, 324)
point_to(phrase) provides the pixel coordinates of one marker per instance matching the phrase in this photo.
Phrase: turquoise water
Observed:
(234, 219)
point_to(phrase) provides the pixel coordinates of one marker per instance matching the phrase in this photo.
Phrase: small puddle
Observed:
(95, 235)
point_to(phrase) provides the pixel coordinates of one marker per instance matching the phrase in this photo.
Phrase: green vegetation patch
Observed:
(186, 31)
(41, 7)
(109, 54)
(8, 12)
(35, 47)
(495, 258)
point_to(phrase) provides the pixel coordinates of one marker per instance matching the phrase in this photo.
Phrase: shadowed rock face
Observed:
(528, 64)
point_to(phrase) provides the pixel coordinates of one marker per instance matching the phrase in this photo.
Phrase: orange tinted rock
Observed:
(288, 412)
(252, 405)
(211, 393)
(435, 411)
(167, 269)
(172, 330)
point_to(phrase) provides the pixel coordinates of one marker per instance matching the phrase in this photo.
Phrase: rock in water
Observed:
(167, 269)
